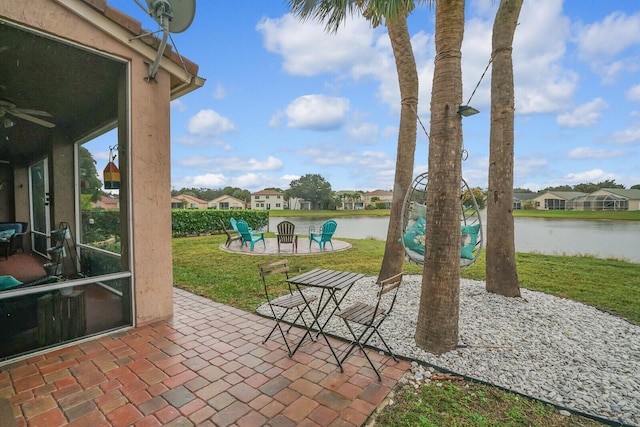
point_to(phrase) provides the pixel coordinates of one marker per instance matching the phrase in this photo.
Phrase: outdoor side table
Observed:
(330, 282)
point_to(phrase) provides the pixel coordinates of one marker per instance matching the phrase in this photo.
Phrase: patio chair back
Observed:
(232, 235)
(324, 235)
(249, 236)
(286, 234)
(273, 274)
(370, 317)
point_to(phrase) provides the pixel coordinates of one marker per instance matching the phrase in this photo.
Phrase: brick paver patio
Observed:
(207, 366)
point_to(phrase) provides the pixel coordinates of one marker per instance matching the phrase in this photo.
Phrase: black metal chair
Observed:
(285, 302)
(369, 318)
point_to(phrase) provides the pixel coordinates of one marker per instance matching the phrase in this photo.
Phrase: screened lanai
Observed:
(599, 202)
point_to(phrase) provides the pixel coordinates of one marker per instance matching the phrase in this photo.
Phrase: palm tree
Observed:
(395, 15)
(437, 327)
(393, 259)
(502, 275)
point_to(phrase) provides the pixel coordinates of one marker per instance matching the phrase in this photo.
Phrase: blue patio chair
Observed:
(249, 237)
(324, 235)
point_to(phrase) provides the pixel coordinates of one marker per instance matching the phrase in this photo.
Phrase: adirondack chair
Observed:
(231, 234)
(324, 235)
(286, 235)
(248, 236)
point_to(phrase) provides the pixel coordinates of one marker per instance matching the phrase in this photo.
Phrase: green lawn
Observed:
(609, 215)
(230, 278)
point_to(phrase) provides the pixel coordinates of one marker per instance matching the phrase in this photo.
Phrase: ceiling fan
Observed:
(7, 108)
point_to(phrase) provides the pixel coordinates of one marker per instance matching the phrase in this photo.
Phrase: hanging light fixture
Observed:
(111, 172)
(467, 110)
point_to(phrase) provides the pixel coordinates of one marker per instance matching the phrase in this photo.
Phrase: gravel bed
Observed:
(550, 348)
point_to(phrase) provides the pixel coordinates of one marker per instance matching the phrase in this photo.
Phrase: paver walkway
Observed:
(207, 367)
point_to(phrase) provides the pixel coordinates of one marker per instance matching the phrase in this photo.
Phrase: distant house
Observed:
(107, 203)
(556, 200)
(349, 201)
(225, 202)
(267, 200)
(371, 197)
(186, 201)
(298, 204)
(518, 198)
(614, 199)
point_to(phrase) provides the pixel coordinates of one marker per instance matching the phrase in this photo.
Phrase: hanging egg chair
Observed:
(414, 221)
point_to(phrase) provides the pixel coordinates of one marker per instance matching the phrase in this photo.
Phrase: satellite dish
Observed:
(179, 13)
(173, 16)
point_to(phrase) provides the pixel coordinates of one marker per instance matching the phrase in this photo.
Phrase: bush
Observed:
(196, 222)
(101, 226)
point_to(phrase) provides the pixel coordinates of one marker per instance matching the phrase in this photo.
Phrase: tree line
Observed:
(589, 187)
(317, 190)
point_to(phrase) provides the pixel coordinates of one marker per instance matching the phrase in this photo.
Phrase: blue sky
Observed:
(283, 98)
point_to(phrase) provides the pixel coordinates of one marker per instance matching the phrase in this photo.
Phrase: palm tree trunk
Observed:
(393, 260)
(437, 328)
(502, 274)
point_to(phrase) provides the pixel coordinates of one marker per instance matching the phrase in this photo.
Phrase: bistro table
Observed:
(330, 282)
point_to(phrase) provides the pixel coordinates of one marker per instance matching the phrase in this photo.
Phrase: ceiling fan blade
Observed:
(32, 112)
(32, 119)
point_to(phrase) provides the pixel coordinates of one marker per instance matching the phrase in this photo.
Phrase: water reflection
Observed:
(603, 239)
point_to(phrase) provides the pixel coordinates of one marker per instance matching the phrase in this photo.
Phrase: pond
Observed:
(603, 239)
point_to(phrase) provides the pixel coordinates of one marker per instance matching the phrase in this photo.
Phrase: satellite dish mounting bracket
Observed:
(161, 11)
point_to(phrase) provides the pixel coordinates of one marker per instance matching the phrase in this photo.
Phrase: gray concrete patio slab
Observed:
(270, 247)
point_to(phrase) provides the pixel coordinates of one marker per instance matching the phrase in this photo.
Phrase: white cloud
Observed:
(366, 133)
(355, 50)
(269, 164)
(634, 93)
(602, 43)
(308, 50)
(212, 180)
(591, 153)
(543, 85)
(233, 163)
(390, 131)
(476, 51)
(219, 92)
(594, 175)
(584, 115)
(629, 136)
(526, 166)
(317, 112)
(256, 182)
(195, 140)
(209, 123)
(178, 105)
(276, 119)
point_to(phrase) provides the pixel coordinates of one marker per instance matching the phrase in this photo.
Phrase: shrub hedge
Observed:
(188, 222)
(105, 224)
